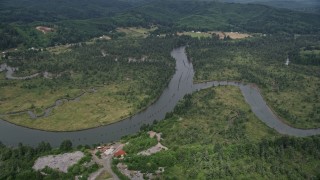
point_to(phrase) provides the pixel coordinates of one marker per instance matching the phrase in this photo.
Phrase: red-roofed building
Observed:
(120, 153)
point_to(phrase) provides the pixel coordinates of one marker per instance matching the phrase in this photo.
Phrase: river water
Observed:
(180, 85)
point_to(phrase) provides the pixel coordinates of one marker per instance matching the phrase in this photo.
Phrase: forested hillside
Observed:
(28, 11)
(74, 22)
(309, 6)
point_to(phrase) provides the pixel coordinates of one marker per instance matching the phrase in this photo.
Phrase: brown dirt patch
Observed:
(44, 29)
(236, 35)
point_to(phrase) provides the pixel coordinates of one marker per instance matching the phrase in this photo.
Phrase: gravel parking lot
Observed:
(59, 162)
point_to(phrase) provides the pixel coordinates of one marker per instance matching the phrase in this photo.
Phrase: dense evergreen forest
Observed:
(73, 23)
(310, 6)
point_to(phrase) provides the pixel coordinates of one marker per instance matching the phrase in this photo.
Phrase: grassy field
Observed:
(15, 98)
(308, 54)
(59, 49)
(105, 106)
(292, 91)
(104, 175)
(196, 34)
(222, 35)
(236, 35)
(123, 87)
(214, 135)
(136, 31)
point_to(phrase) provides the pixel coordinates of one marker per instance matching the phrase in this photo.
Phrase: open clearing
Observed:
(154, 149)
(60, 49)
(222, 35)
(236, 35)
(44, 29)
(103, 107)
(59, 162)
(19, 99)
(195, 34)
(136, 31)
(104, 175)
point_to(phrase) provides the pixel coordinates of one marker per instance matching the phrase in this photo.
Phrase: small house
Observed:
(120, 153)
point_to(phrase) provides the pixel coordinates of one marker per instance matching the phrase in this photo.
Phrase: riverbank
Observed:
(215, 134)
(123, 88)
(180, 85)
(292, 91)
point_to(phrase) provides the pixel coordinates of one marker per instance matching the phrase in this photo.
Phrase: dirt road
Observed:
(105, 161)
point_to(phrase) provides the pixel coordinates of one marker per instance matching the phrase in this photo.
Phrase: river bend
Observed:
(180, 85)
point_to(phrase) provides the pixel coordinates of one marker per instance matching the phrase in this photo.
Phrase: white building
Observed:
(109, 151)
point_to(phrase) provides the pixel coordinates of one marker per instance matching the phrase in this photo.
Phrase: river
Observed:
(180, 85)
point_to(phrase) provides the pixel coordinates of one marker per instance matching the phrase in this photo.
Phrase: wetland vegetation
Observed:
(123, 75)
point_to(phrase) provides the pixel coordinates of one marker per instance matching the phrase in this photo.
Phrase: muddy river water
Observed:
(180, 85)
